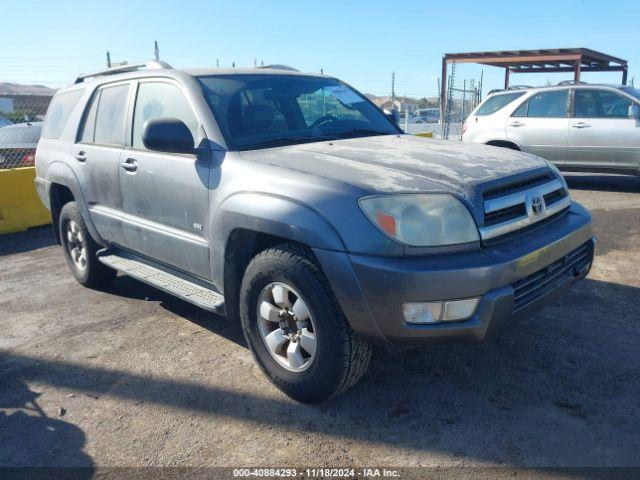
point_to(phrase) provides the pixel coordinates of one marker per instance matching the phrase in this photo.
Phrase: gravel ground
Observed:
(132, 377)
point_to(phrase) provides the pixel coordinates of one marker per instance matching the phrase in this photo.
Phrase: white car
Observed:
(574, 125)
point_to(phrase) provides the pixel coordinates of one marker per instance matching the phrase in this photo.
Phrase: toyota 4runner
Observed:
(291, 203)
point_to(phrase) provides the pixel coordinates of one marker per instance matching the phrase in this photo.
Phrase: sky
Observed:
(361, 42)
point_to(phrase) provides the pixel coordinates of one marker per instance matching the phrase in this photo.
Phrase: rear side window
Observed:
(496, 102)
(61, 107)
(600, 104)
(545, 104)
(110, 116)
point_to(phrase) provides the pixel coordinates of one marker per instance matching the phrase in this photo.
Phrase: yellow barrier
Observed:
(20, 205)
(424, 134)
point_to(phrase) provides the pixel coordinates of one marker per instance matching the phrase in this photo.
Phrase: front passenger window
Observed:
(591, 103)
(161, 100)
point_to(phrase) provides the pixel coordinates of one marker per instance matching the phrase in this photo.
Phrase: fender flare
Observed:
(272, 215)
(508, 140)
(61, 174)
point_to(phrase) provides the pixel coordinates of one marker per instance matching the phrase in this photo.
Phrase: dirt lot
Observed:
(130, 376)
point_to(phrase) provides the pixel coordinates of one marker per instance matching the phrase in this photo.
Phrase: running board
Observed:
(167, 282)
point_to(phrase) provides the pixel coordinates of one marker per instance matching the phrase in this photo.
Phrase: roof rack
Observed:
(565, 83)
(128, 67)
(280, 67)
(511, 87)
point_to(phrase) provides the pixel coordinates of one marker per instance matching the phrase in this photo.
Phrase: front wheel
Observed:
(295, 328)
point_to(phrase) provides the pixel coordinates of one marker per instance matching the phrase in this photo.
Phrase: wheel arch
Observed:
(248, 223)
(65, 188)
(504, 144)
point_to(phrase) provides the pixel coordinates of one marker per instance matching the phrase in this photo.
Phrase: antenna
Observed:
(108, 59)
(156, 50)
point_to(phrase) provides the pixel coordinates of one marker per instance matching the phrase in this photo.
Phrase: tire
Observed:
(80, 249)
(340, 358)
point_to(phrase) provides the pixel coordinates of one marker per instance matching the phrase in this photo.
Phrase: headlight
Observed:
(422, 220)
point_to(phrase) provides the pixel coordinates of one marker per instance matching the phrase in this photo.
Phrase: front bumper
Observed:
(372, 290)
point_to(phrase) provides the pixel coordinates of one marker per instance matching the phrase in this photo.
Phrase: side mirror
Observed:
(391, 115)
(634, 111)
(168, 135)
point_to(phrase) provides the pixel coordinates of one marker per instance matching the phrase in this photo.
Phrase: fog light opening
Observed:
(437, 312)
(455, 310)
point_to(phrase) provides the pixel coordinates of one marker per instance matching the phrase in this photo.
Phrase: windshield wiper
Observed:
(281, 141)
(360, 132)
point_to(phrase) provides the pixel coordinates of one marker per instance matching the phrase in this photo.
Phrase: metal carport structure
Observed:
(554, 60)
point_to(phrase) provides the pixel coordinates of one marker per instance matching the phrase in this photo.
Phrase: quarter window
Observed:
(160, 100)
(110, 115)
(590, 103)
(59, 111)
(497, 102)
(551, 104)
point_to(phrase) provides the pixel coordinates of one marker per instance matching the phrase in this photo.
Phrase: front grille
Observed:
(516, 205)
(538, 284)
(502, 190)
(505, 214)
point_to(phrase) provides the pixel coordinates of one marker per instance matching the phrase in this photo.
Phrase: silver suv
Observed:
(292, 204)
(576, 126)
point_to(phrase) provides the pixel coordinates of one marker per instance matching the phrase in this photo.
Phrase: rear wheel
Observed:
(295, 328)
(80, 249)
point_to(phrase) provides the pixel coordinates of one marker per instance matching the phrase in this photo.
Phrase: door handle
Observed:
(581, 125)
(130, 165)
(517, 123)
(81, 157)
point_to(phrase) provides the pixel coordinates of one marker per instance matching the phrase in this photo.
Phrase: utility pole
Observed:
(108, 59)
(156, 50)
(393, 90)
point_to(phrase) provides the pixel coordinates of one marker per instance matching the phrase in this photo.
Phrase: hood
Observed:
(402, 163)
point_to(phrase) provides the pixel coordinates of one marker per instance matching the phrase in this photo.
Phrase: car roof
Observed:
(559, 87)
(161, 69)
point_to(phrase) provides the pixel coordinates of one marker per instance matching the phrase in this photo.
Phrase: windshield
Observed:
(260, 111)
(634, 92)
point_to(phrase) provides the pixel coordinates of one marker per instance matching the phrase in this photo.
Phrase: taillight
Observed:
(28, 159)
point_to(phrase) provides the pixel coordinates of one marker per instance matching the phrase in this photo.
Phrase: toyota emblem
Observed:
(537, 205)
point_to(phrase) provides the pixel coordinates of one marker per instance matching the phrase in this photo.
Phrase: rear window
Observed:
(58, 113)
(496, 102)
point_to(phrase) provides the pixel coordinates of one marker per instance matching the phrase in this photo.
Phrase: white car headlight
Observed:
(422, 220)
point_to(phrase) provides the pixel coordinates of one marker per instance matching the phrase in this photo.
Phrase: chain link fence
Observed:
(21, 119)
(460, 103)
